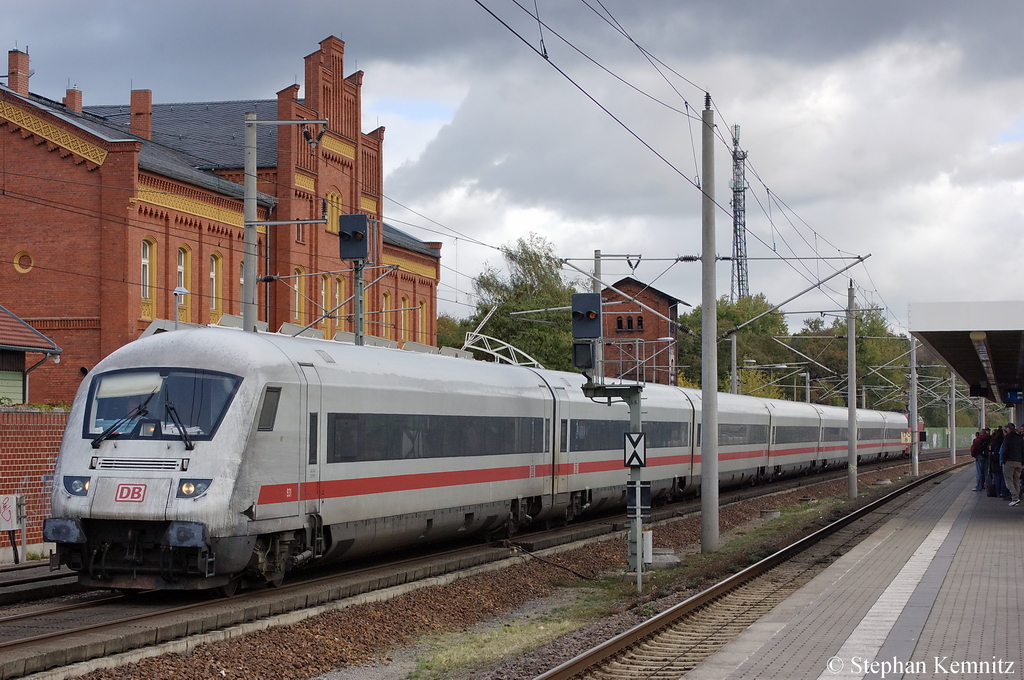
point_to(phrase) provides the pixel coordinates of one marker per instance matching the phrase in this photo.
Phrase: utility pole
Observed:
(734, 378)
(915, 441)
(740, 286)
(851, 395)
(250, 225)
(952, 418)
(599, 345)
(709, 341)
(249, 315)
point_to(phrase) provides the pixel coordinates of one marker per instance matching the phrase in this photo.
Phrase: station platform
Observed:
(936, 592)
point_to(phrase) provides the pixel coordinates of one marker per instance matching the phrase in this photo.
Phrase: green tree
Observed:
(754, 342)
(451, 332)
(882, 364)
(534, 281)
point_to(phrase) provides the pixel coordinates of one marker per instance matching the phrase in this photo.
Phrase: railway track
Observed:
(672, 643)
(126, 623)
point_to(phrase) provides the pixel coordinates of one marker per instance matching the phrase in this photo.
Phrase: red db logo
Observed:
(130, 493)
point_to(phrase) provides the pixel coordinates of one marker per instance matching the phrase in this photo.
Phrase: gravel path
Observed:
(378, 641)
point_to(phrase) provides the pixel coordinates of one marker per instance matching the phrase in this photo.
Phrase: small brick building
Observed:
(639, 345)
(105, 210)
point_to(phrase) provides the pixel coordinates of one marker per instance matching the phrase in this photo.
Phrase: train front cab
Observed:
(145, 468)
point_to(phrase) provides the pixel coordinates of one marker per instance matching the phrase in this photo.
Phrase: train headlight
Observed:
(193, 488)
(77, 486)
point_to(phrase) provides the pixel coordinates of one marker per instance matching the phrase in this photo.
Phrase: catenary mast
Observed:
(740, 287)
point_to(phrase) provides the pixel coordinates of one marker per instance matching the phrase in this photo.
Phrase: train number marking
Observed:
(130, 493)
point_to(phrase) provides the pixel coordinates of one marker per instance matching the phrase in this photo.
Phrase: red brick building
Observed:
(638, 344)
(18, 341)
(105, 210)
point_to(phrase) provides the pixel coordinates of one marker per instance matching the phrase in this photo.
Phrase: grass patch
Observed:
(459, 654)
(451, 654)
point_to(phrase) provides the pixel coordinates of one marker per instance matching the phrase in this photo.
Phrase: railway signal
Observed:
(586, 315)
(352, 241)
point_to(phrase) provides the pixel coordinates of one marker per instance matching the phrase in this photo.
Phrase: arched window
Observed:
(216, 288)
(385, 317)
(183, 280)
(334, 211)
(148, 279)
(640, 323)
(405, 316)
(298, 299)
(629, 323)
(325, 289)
(339, 297)
(618, 323)
(423, 323)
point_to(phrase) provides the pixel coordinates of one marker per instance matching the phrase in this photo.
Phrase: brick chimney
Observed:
(142, 113)
(73, 100)
(17, 71)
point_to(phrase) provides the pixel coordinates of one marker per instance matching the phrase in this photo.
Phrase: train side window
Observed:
(268, 414)
(563, 436)
(314, 436)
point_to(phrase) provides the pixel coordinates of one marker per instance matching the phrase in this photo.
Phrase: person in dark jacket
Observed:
(979, 452)
(996, 487)
(1011, 454)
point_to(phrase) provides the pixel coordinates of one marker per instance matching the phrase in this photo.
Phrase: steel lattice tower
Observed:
(740, 286)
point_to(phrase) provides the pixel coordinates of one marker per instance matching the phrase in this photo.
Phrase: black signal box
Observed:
(353, 233)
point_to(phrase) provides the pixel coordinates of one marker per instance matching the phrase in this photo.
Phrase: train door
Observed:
(561, 465)
(313, 449)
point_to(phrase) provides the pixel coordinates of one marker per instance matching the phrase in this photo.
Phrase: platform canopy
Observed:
(982, 342)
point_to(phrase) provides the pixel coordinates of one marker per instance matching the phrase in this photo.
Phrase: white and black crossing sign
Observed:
(635, 450)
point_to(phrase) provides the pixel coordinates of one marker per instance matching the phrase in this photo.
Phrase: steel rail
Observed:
(609, 648)
(28, 580)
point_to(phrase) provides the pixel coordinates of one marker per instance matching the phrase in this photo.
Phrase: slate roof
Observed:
(154, 156)
(397, 237)
(645, 287)
(17, 335)
(212, 134)
(190, 140)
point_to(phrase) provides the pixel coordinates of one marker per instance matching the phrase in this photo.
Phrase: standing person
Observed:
(1012, 455)
(979, 452)
(996, 487)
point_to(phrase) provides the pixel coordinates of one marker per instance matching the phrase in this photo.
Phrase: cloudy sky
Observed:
(894, 129)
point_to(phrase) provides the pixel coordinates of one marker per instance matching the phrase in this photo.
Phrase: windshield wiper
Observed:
(173, 412)
(136, 412)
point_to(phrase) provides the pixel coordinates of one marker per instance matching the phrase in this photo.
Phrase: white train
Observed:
(201, 458)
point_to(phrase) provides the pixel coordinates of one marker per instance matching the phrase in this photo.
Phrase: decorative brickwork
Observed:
(94, 217)
(52, 133)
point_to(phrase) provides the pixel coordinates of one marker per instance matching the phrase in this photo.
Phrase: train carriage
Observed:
(795, 437)
(200, 458)
(743, 426)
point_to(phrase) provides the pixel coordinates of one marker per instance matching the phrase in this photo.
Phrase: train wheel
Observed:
(229, 588)
(276, 580)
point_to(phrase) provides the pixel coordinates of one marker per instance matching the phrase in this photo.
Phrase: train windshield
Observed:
(158, 403)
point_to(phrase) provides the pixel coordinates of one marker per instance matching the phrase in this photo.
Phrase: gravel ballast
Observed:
(359, 642)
